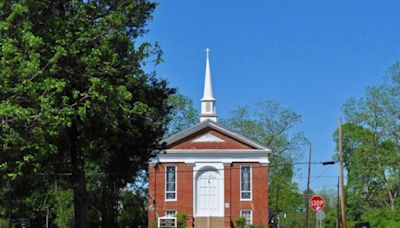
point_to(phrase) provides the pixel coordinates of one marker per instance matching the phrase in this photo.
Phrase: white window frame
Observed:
(251, 216)
(251, 184)
(176, 183)
(170, 213)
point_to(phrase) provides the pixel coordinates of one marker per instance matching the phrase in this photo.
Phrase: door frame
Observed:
(219, 167)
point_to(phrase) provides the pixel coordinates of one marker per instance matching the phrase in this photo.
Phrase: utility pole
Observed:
(341, 174)
(308, 186)
(337, 206)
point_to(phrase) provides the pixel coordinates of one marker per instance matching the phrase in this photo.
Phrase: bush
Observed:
(240, 222)
(181, 220)
(256, 226)
(3, 222)
(382, 217)
(63, 208)
(154, 224)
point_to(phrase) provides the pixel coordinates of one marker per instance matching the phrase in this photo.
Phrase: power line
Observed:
(303, 177)
(183, 171)
(326, 170)
(320, 186)
(253, 167)
(215, 169)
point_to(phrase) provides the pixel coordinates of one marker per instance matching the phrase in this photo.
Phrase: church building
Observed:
(210, 173)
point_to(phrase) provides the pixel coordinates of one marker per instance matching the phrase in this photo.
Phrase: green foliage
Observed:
(293, 219)
(240, 222)
(133, 211)
(75, 99)
(382, 217)
(183, 114)
(256, 226)
(63, 208)
(273, 126)
(330, 208)
(181, 220)
(371, 149)
(3, 222)
(154, 224)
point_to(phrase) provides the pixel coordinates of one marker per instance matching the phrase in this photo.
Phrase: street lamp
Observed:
(329, 162)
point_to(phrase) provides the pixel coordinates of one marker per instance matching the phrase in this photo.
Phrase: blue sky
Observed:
(310, 56)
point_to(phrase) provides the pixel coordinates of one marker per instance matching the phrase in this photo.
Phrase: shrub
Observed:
(181, 220)
(3, 222)
(256, 226)
(240, 222)
(154, 224)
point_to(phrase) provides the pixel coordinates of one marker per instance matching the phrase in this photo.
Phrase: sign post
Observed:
(317, 203)
(319, 215)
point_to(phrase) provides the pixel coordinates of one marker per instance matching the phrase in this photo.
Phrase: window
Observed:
(245, 183)
(170, 213)
(208, 107)
(170, 183)
(248, 215)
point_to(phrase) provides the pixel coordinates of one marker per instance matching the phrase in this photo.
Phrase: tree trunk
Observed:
(109, 198)
(392, 201)
(78, 180)
(108, 216)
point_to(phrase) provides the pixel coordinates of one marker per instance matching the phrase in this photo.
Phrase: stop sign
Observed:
(316, 203)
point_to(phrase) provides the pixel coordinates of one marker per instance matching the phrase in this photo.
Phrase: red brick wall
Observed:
(184, 203)
(184, 199)
(259, 202)
(227, 194)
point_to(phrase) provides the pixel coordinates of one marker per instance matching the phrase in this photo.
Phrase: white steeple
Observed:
(208, 101)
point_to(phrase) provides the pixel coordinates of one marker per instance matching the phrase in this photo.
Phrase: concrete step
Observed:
(208, 222)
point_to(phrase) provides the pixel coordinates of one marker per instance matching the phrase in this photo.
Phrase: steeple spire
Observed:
(208, 101)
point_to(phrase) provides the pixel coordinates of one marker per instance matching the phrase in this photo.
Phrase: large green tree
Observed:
(183, 114)
(274, 126)
(371, 147)
(75, 98)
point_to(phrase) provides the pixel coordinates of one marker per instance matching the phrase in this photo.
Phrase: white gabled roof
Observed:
(214, 125)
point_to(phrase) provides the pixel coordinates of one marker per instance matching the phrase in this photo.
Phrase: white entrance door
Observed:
(208, 193)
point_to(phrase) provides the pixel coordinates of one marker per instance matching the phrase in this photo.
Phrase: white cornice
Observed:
(211, 156)
(213, 125)
(216, 151)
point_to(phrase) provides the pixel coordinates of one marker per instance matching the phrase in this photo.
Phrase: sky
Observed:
(309, 56)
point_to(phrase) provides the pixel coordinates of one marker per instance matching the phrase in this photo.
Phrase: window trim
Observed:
(251, 184)
(170, 210)
(251, 215)
(176, 183)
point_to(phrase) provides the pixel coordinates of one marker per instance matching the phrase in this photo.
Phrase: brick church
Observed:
(210, 173)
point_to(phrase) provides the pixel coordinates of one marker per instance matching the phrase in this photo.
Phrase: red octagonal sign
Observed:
(317, 203)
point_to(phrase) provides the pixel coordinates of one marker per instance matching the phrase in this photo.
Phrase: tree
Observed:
(371, 147)
(183, 114)
(63, 208)
(272, 125)
(133, 213)
(75, 98)
(330, 208)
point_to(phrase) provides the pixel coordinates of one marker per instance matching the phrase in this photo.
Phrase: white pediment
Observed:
(209, 124)
(208, 138)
